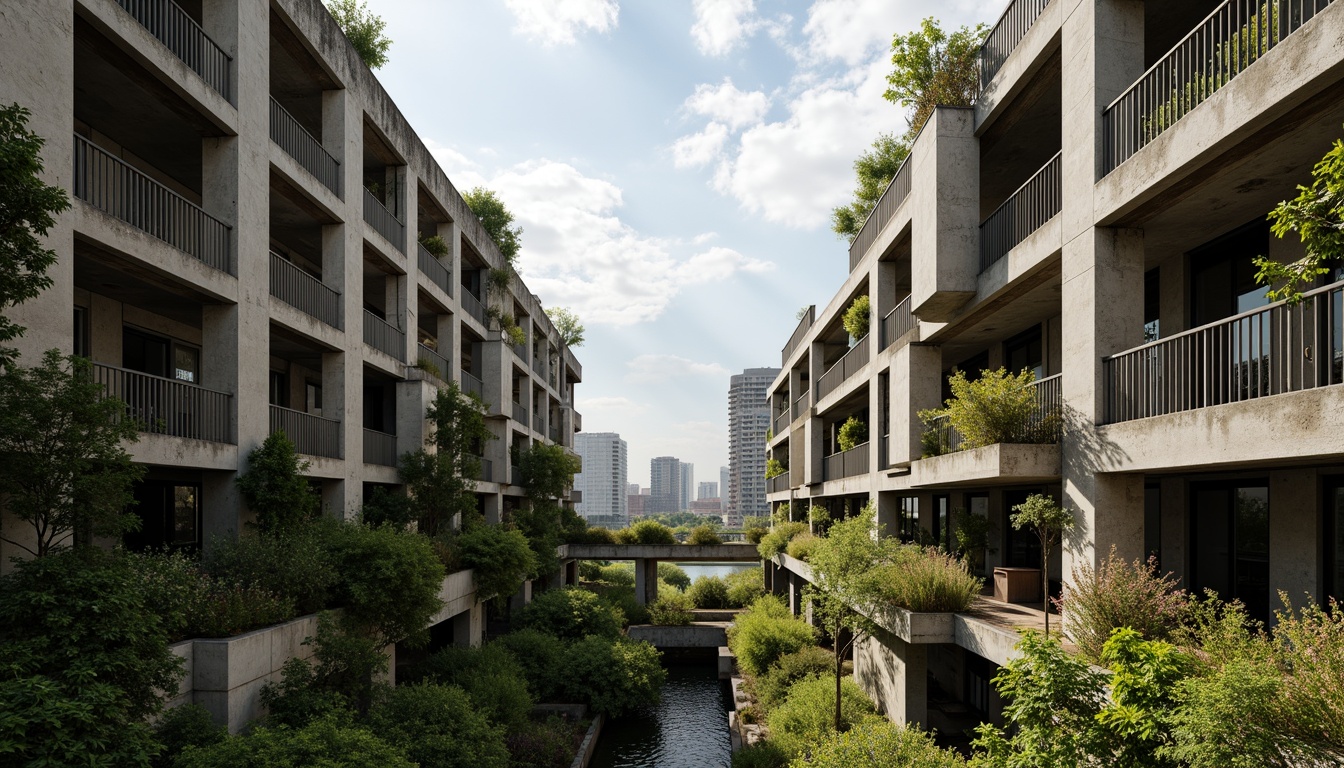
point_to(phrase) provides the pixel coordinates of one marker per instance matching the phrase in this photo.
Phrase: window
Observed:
(908, 523)
(160, 356)
(186, 363)
(170, 515)
(1025, 351)
(1229, 526)
(1222, 277)
(1152, 522)
(80, 345)
(279, 389)
(942, 531)
(1152, 305)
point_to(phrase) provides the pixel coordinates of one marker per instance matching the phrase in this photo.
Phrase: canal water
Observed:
(688, 728)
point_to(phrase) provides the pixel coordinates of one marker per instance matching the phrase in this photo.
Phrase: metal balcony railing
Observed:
(163, 406)
(384, 336)
(311, 435)
(115, 188)
(180, 33)
(1002, 40)
(782, 422)
(487, 470)
(521, 351)
(1268, 351)
(1219, 48)
(801, 405)
(1025, 211)
(472, 306)
(854, 360)
(305, 148)
(435, 270)
(897, 323)
(300, 290)
(380, 448)
(1043, 426)
(799, 333)
(554, 433)
(846, 463)
(383, 221)
(520, 414)
(472, 385)
(442, 367)
(778, 483)
(886, 207)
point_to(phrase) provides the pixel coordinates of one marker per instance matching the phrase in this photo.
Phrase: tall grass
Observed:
(925, 580)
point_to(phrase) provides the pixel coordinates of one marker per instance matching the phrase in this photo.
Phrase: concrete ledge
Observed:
(991, 463)
(986, 640)
(1021, 66)
(913, 627)
(727, 663)
(458, 593)
(589, 743)
(184, 452)
(669, 552)
(227, 673)
(696, 635)
(794, 564)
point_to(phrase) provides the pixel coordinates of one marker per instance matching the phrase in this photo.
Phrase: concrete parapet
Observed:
(697, 635)
(1011, 462)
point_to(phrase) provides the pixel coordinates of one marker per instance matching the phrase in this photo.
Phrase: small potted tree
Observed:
(1048, 520)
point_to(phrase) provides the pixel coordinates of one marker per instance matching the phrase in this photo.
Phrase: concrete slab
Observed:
(1001, 462)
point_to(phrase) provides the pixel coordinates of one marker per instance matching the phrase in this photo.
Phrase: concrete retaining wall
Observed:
(697, 635)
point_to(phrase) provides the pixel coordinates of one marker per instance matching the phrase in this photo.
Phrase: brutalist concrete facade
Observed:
(243, 254)
(1093, 218)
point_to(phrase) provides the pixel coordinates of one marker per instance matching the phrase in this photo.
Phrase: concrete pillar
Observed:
(1175, 535)
(895, 674)
(1294, 543)
(520, 599)
(469, 627)
(888, 512)
(646, 581)
(945, 193)
(915, 385)
(494, 511)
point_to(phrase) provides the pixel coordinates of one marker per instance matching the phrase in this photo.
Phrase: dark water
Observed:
(688, 728)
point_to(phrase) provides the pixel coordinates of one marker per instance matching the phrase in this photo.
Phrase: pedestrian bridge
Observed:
(647, 557)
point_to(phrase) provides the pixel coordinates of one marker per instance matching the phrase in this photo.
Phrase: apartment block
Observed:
(1092, 219)
(708, 490)
(602, 483)
(748, 425)
(245, 254)
(664, 486)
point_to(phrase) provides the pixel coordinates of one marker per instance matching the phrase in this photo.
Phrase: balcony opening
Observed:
(384, 179)
(298, 368)
(298, 83)
(380, 418)
(434, 334)
(168, 503)
(472, 363)
(296, 254)
(384, 306)
(1165, 24)
(434, 253)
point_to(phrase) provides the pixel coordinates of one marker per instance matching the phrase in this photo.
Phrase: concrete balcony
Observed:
(180, 33)
(163, 406)
(306, 150)
(384, 222)
(304, 292)
(384, 336)
(434, 269)
(844, 369)
(311, 435)
(380, 448)
(851, 463)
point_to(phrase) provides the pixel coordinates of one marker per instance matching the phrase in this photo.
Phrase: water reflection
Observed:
(688, 728)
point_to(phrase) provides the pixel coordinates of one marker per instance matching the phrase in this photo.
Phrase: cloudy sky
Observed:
(672, 163)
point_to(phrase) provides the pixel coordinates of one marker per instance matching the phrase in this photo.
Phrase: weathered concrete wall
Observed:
(697, 635)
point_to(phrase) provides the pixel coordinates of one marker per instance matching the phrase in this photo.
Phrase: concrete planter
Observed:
(919, 628)
(1002, 461)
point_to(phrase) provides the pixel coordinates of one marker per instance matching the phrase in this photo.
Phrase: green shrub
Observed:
(390, 580)
(926, 580)
(329, 743)
(857, 317)
(671, 609)
(853, 433)
(745, 586)
(542, 745)
(808, 713)
(704, 536)
(386, 507)
(591, 536)
(802, 545)
(613, 676)
(647, 532)
(620, 574)
(1116, 594)
(491, 676)
(766, 631)
(232, 609)
(674, 575)
(774, 468)
(777, 540)
(879, 744)
(501, 559)
(193, 604)
(763, 754)
(571, 613)
(772, 687)
(438, 726)
(998, 407)
(294, 564)
(755, 528)
(188, 725)
(274, 486)
(621, 597)
(709, 592)
(540, 657)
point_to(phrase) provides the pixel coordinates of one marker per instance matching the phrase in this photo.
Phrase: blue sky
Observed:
(672, 163)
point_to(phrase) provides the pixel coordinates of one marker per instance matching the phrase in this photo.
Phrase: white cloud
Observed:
(852, 30)
(609, 406)
(556, 22)
(721, 24)
(655, 368)
(725, 103)
(461, 170)
(701, 148)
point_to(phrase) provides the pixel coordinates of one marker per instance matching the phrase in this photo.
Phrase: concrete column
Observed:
(888, 512)
(469, 627)
(646, 581)
(1294, 542)
(945, 193)
(895, 674)
(494, 511)
(1175, 533)
(915, 385)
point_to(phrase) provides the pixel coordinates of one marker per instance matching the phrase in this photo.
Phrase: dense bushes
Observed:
(1120, 594)
(766, 631)
(777, 540)
(540, 657)
(613, 677)
(647, 532)
(439, 726)
(329, 742)
(879, 744)
(293, 563)
(591, 536)
(671, 609)
(390, 580)
(571, 613)
(772, 686)
(674, 575)
(193, 604)
(703, 535)
(926, 580)
(491, 677)
(808, 713)
(745, 586)
(709, 592)
(548, 744)
(803, 545)
(500, 559)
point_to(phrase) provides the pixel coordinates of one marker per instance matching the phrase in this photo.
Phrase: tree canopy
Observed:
(1317, 216)
(568, 324)
(442, 483)
(363, 29)
(873, 172)
(497, 220)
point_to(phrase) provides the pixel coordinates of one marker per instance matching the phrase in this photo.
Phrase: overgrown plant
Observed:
(931, 68)
(363, 29)
(774, 467)
(1317, 216)
(436, 245)
(1041, 515)
(858, 317)
(852, 434)
(274, 487)
(1119, 593)
(442, 483)
(998, 407)
(568, 325)
(873, 172)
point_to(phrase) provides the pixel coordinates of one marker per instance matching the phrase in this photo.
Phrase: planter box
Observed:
(1014, 462)
(1017, 585)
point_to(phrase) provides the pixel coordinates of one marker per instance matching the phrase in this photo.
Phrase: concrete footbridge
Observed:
(647, 557)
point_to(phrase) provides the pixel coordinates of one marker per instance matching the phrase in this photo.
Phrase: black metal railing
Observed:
(520, 414)
(300, 290)
(1219, 48)
(472, 385)
(886, 207)
(426, 356)
(1025, 211)
(163, 406)
(801, 405)
(384, 336)
(1268, 351)
(487, 470)
(846, 463)
(112, 186)
(1044, 425)
(1003, 39)
(778, 483)
(845, 367)
(897, 323)
(383, 221)
(434, 269)
(182, 35)
(522, 351)
(305, 148)
(473, 307)
(380, 448)
(799, 333)
(311, 435)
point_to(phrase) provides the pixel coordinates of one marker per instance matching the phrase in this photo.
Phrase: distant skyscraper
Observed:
(632, 489)
(665, 485)
(687, 486)
(603, 479)
(723, 488)
(748, 421)
(707, 491)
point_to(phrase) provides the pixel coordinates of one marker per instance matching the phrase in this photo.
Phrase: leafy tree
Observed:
(613, 676)
(63, 469)
(1317, 216)
(337, 681)
(570, 613)
(363, 29)
(852, 434)
(933, 68)
(548, 470)
(274, 486)
(873, 172)
(500, 558)
(568, 325)
(1143, 689)
(858, 317)
(27, 205)
(497, 220)
(1049, 521)
(437, 726)
(442, 483)
(390, 582)
(83, 662)
(331, 742)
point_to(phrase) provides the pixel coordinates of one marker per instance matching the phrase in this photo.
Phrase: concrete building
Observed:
(632, 489)
(1079, 222)
(687, 494)
(602, 481)
(635, 505)
(748, 423)
(243, 255)
(708, 490)
(708, 507)
(723, 487)
(664, 486)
